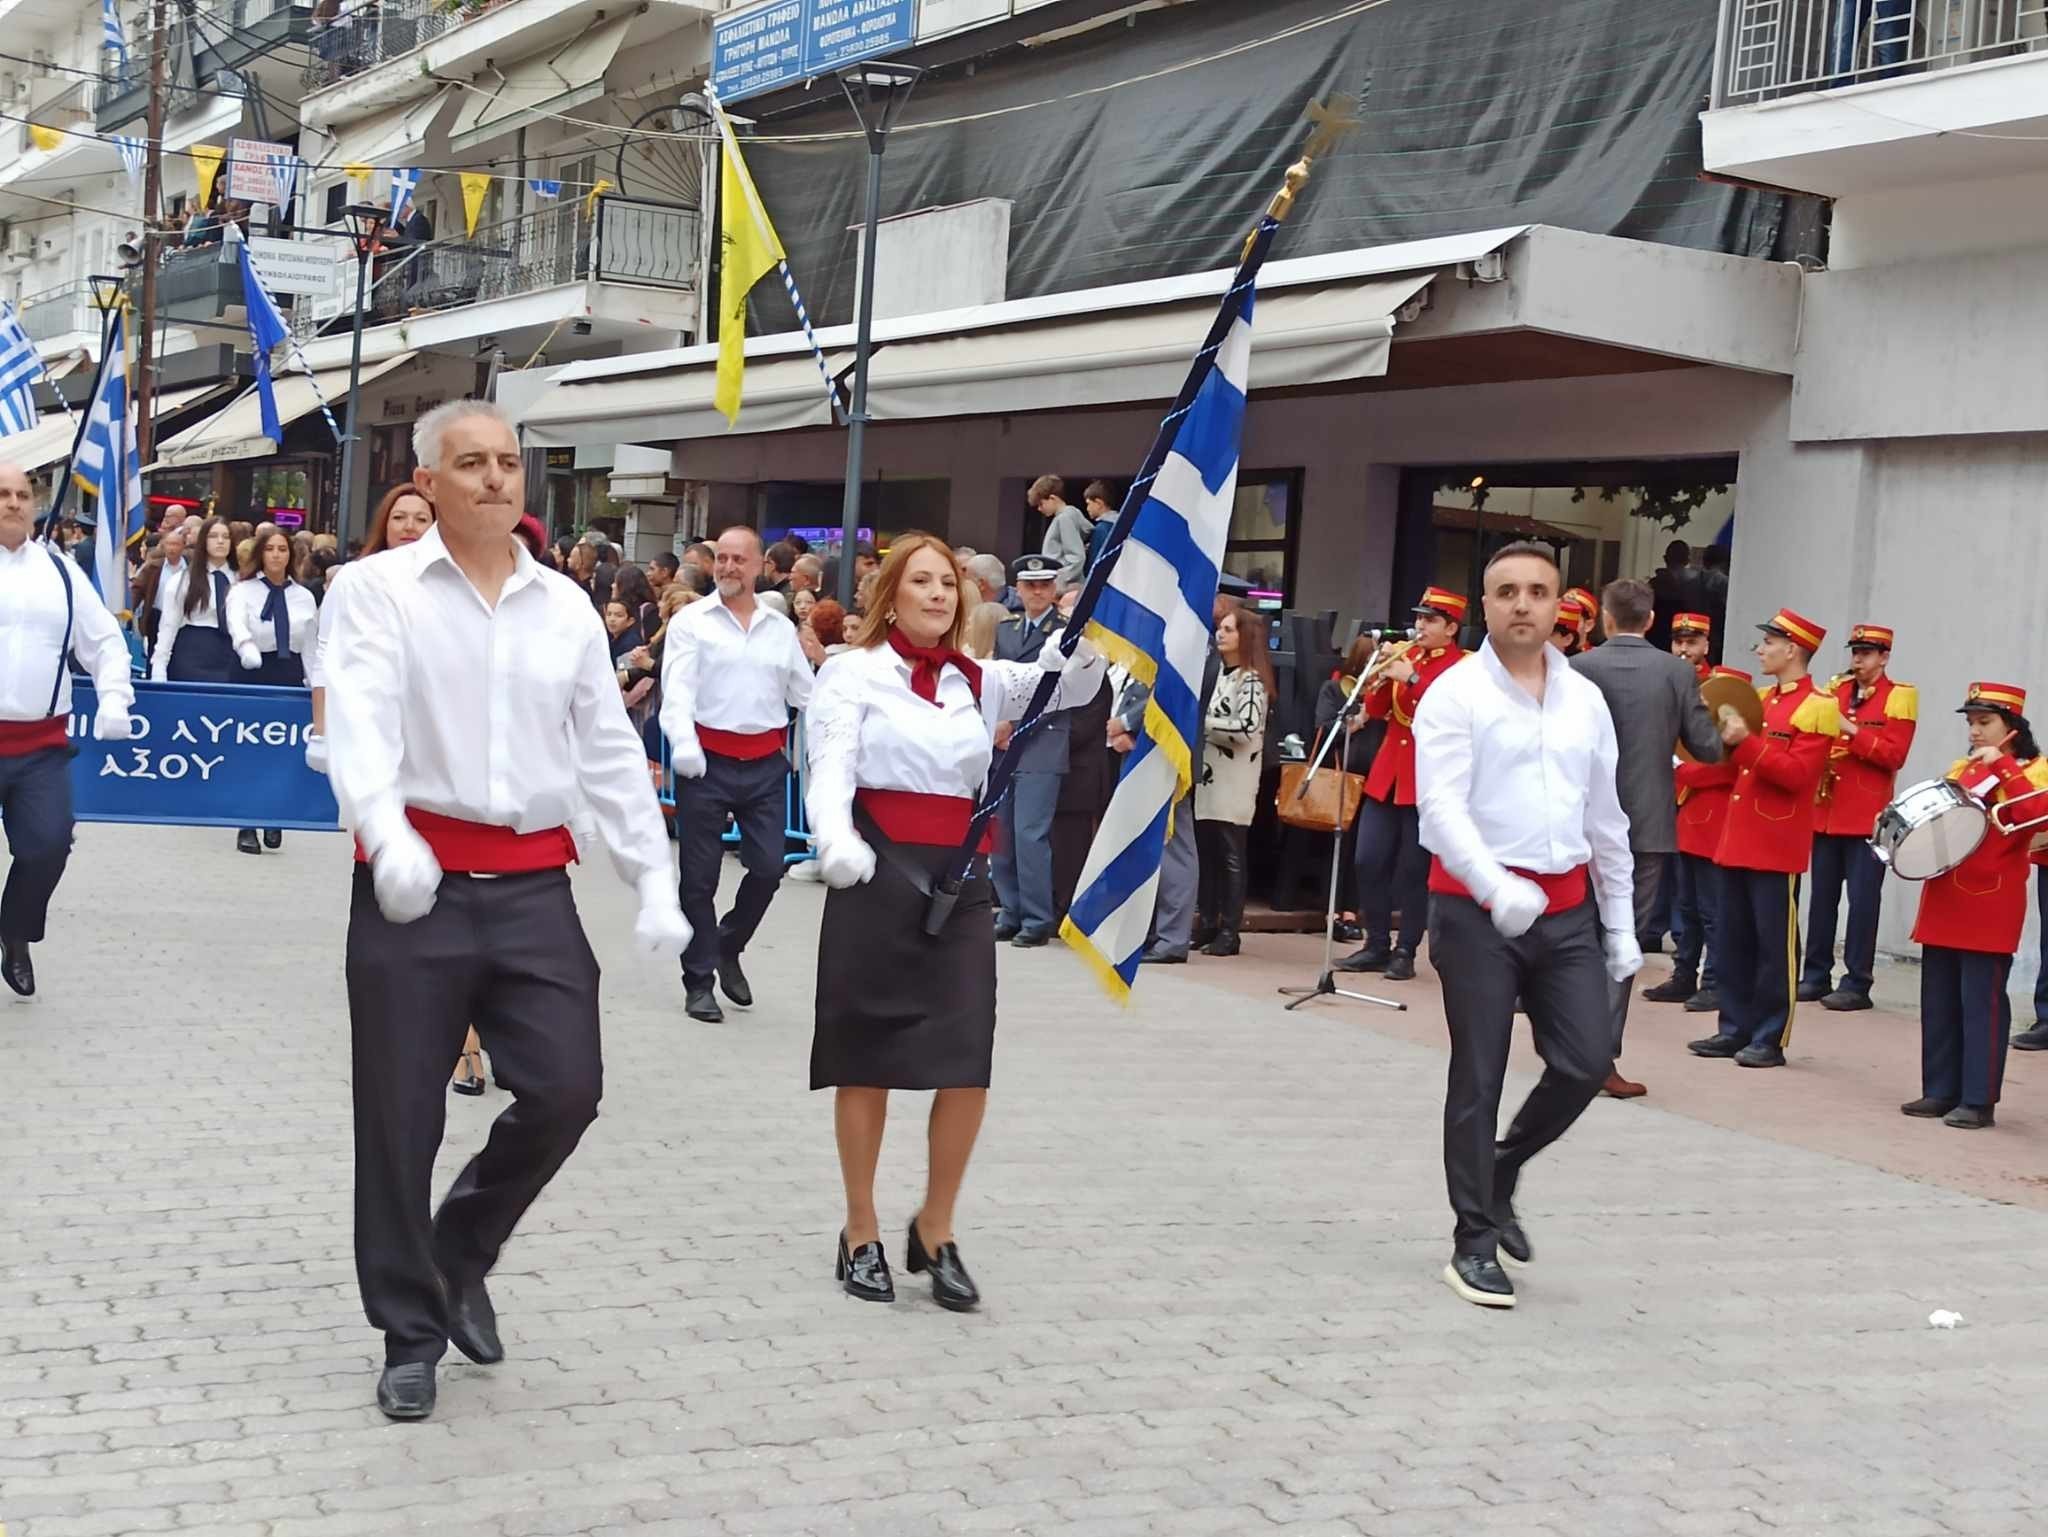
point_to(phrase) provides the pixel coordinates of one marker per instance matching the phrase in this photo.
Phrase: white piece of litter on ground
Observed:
(1942, 1318)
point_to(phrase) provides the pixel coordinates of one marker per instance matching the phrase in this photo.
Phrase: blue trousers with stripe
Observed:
(1840, 860)
(1965, 1023)
(1758, 955)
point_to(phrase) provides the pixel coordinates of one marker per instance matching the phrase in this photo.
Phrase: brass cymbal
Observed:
(1721, 693)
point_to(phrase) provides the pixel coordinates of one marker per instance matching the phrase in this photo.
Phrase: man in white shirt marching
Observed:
(1531, 896)
(471, 707)
(731, 671)
(48, 610)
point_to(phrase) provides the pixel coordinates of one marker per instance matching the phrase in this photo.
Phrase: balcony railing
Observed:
(69, 109)
(57, 312)
(372, 31)
(1774, 48)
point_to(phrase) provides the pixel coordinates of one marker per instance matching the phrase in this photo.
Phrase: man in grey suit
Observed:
(1022, 867)
(1654, 698)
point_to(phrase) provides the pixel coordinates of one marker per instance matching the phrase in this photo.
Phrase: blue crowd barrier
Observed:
(795, 826)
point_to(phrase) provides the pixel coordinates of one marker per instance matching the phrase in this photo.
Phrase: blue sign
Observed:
(203, 755)
(785, 41)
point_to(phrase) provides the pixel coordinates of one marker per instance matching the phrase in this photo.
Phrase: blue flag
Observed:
(266, 331)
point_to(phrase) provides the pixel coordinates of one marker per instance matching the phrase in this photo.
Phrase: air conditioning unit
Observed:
(41, 63)
(14, 90)
(21, 244)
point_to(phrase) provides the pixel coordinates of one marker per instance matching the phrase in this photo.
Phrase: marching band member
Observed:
(271, 622)
(1533, 895)
(1692, 637)
(48, 612)
(1878, 720)
(472, 706)
(1392, 868)
(1970, 921)
(731, 671)
(2036, 1037)
(1703, 791)
(192, 644)
(1765, 844)
(899, 737)
(1571, 623)
(1588, 608)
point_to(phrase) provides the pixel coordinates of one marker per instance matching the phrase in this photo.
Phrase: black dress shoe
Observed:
(1813, 992)
(1706, 1001)
(1204, 932)
(733, 982)
(952, 1287)
(1400, 967)
(1842, 1001)
(865, 1272)
(1970, 1117)
(1029, 939)
(1481, 1280)
(273, 837)
(1650, 944)
(245, 840)
(406, 1391)
(1760, 1056)
(1714, 1046)
(1005, 932)
(15, 967)
(1365, 958)
(473, 1324)
(1515, 1247)
(1928, 1108)
(1157, 956)
(2035, 1039)
(1676, 989)
(698, 1003)
(1346, 932)
(1226, 942)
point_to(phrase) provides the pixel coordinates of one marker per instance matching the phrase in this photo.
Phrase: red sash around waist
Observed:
(1565, 891)
(744, 745)
(933, 821)
(481, 848)
(19, 738)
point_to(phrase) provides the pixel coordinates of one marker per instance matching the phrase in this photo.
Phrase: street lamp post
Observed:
(365, 229)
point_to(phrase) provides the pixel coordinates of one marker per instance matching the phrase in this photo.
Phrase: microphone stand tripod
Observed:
(1326, 984)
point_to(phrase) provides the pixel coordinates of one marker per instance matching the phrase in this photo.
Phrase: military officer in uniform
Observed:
(1703, 791)
(1766, 843)
(1022, 866)
(1970, 922)
(1392, 868)
(1878, 720)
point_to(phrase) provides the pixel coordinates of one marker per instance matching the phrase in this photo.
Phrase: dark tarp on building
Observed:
(1578, 113)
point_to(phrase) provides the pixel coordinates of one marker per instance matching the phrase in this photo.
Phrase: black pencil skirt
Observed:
(899, 1008)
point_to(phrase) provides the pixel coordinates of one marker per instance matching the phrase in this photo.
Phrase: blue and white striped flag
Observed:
(542, 187)
(132, 159)
(1153, 617)
(108, 466)
(403, 184)
(111, 37)
(20, 367)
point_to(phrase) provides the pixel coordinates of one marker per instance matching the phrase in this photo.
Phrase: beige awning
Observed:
(51, 438)
(567, 76)
(667, 406)
(395, 137)
(236, 431)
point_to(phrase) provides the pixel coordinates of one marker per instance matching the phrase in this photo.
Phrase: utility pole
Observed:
(152, 201)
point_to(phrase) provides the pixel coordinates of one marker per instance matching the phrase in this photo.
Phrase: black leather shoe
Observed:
(273, 837)
(1005, 932)
(1515, 1247)
(1365, 958)
(699, 1004)
(1029, 939)
(1226, 942)
(1970, 1117)
(1714, 1046)
(1157, 956)
(1204, 932)
(1927, 1109)
(406, 1391)
(1760, 1056)
(2035, 1039)
(1400, 967)
(865, 1272)
(1842, 1001)
(1481, 1280)
(1706, 1001)
(15, 967)
(1676, 989)
(733, 982)
(952, 1287)
(1346, 932)
(245, 840)
(473, 1324)
(1813, 992)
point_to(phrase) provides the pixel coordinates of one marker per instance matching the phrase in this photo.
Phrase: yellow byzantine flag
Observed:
(752, 250)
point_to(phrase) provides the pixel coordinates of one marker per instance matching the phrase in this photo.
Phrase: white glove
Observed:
(1516, 904)
(112, 723)
(1052, 659)
(844, 859)
(1624, 955)
(251, 658)
(661, 928)
(316, 752)
(406, 875)
(688, 762)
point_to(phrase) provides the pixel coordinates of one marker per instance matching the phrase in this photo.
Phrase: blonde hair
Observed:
(880, 618)
(980, 642)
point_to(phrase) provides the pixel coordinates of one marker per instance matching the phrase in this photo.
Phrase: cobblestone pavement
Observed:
(1209, 1233)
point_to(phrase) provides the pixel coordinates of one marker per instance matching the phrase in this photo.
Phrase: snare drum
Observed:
(1931, 828)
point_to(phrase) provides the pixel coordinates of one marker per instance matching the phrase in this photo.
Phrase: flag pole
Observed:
(51, 518)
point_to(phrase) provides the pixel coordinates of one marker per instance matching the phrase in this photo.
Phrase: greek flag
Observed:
(1153, 617)
(20, 367)
(403, 184)
(266, 331)
(110, 33)
(132, 158)
(108, 466)
(543, 187)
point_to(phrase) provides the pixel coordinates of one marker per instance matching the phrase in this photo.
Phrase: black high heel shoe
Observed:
(472, 1079)
(864, 1272)
(952, 1287)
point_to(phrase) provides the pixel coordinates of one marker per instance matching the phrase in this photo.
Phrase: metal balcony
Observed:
(352, 44)
(62, 311)
(1769, 49)
(122, 97)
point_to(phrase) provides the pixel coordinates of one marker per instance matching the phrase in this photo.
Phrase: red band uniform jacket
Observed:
(1772, 810)
(1393, 767)
(1981, 904)
(1866, 766)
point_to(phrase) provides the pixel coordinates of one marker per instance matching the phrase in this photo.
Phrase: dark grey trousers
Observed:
(1651, 870)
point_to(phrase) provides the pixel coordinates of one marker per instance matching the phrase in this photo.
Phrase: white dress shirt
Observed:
(316, 653)
(32, 662)
(175, 618)
(1505, 783)
(716, 673)
(508, 716)
(247, 626)
(172, 569)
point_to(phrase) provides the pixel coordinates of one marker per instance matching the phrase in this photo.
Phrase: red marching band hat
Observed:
(1441, 600)
(1797, 628)
(1571, 613)
(1878, 635)
(2009, 697)
(1692, 624)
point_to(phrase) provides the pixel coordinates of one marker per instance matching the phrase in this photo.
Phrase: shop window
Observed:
(1264, 522)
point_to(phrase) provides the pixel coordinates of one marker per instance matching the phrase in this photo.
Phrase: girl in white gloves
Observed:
(271, 623)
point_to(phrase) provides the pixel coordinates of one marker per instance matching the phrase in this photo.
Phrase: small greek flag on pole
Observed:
(404, 182)
(108, 466)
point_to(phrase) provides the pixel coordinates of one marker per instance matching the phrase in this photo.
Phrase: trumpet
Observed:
(1376, 670)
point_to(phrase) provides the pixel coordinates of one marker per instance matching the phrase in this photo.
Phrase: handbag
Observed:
(1331, 803)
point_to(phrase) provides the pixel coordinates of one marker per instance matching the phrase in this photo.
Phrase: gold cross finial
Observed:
(1333, 120)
